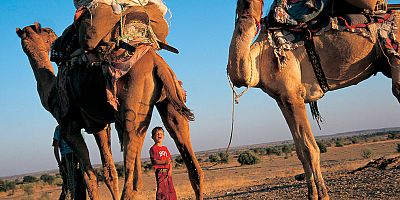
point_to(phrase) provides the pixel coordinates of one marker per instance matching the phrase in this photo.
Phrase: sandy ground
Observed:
(273, 178)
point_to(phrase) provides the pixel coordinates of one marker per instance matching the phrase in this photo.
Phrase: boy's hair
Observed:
(155, 129)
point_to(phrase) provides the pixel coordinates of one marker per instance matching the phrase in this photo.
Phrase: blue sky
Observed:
(201, 30)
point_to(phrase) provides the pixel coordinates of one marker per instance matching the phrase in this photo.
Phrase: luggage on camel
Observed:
(100, 16)
(292, 13)
(94, 21)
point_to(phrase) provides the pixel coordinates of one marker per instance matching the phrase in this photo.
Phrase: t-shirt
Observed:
(160, 153)
(64, 148)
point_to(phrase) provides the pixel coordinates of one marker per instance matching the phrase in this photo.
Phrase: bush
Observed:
(367, 153)
(179, 160)
(322, 147)
(29, 179)
(47, 179)
(147, 166)
(7, 185)
(223, 157)
(354, 140)
(339, 143)
(28, 189)
(213, 158)
(393, 136)
(273, 150)
(248, 158)
(120, 170)
(398, 147)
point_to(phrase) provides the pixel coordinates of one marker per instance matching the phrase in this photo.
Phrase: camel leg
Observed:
(75, 140)
(395, 72)
(103, 140)
(178, 127)
(307, 149)
(136, 125)
(136, 114)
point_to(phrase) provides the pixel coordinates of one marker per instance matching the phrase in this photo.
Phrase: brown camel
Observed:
(293, 85)
(150, 82)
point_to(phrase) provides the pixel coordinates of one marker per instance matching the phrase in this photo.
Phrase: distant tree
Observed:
(367, 153)
(29, 179)
(248, 158)
(49, 179)
(322, 147)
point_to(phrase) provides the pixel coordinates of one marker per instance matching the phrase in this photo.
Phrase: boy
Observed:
(161, 161)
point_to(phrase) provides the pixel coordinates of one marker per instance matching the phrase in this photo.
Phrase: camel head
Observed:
(249, 14)
(35, 38)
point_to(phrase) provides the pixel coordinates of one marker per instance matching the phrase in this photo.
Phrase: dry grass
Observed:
(231, 176)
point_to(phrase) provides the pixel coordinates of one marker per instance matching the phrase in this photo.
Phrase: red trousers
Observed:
(165, 186)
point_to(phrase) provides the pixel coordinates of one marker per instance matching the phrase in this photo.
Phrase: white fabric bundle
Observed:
(87, 3)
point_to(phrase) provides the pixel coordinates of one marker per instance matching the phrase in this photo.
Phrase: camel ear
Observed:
(38, 27)
(19, 32)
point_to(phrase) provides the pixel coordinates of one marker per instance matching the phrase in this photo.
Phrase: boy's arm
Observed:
(160, 162)
(170, 170)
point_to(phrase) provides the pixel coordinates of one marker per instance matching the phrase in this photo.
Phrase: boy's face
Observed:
(158, 137)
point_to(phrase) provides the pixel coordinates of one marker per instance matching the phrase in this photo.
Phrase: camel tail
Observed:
(173, 90)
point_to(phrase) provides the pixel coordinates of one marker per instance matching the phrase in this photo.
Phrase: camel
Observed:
(150, 82)
(253, 64)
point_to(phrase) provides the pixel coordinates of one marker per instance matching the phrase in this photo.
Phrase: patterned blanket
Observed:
(382, 27)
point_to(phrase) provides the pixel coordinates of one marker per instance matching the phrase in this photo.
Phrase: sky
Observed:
(201, 30)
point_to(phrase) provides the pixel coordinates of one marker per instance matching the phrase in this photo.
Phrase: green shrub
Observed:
(223, 157)
(274, 150)
(367, 153)
(28, 189)
(398, 147)
(147, 166)
(179, 160)
(354, 140)
(213, 158)
(120, 170)
(248, 158)
(29, 179)
(100, 174)
(286, 149)
(49, 179)
(339, 143)
(6, 185)
(322, 147)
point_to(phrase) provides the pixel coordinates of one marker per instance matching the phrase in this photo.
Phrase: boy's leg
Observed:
(171, 189)
(162, 185)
